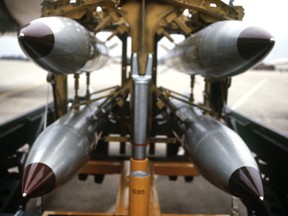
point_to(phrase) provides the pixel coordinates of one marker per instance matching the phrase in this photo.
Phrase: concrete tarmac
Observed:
(260, 95)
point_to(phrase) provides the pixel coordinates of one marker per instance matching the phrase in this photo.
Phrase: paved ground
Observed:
(259, 95)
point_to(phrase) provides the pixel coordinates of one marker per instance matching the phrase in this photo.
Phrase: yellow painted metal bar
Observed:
(175, 168)
(64, 7)
(137, 196)
(195, 215)
(122, 201)
(64, 213)
(59, 84)
(160, 168)
(74, 213)
(215, 8)
(139, 187)
(102, 167)
(139, 193)
(139, 165)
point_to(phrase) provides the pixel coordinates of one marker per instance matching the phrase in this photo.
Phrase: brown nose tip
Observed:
(38, 179)
(254, 44)
(36, 39)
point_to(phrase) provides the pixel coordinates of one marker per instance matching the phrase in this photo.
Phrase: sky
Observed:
(268, 14)
(271, 16)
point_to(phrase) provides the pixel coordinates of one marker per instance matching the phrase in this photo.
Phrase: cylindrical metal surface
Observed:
(141, 95)
(223, 49)
(62, 45)
(61, 150)
(220, 155)
(139, 193)
(139, 165)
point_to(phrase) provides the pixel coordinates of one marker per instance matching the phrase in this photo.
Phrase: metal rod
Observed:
(103, 90)
(171, 93)
(87, 86)
(60, 93)
(76, 103)
(192, 84)
(141, 85)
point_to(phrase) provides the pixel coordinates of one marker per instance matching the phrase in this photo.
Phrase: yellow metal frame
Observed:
(135, 193)
(142, 20)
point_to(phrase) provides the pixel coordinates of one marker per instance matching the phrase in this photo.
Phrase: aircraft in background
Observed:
(15, 14)
(217, 46)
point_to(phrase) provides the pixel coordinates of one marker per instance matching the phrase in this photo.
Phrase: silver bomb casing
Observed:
(223, 49)
(61, 45)
(220, 155)
(60, 151)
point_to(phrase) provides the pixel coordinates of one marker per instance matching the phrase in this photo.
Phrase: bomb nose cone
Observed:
(38, 179)
(246, 183)
(253, 44)
(36, 39)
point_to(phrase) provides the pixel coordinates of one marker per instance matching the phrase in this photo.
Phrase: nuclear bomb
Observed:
(220, 154)
(61, 150)
(222, 49)
(61, 45)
